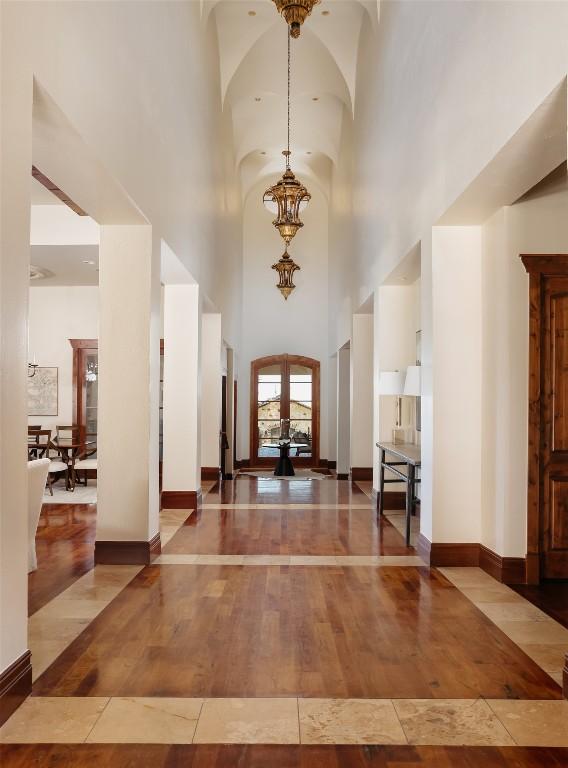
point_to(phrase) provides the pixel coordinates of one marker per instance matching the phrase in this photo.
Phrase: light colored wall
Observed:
(55, 316)
(397, 309)
(271, 325)
(361, 391)
(538, 224)
(425, 128)
(211, 373)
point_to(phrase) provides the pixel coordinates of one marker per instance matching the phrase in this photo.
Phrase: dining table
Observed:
(69, 448)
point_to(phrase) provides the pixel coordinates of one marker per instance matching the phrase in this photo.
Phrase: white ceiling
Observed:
(253, 66)
(66, 263)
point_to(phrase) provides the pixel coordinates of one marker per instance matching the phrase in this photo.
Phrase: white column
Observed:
(456, 417)
(332, 412)
(211, 375)
(343, 411)
(181, 468)
(362, 393)
(15, 164)
(128, 498)
(230, 455)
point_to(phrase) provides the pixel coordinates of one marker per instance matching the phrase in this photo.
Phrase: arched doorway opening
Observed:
(285, 387)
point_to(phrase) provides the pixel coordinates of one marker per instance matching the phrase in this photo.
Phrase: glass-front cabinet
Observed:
(85, 387)
(285, 387)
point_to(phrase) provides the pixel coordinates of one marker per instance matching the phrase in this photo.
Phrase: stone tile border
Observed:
(542, 638)
(290, 720)
(293, 560)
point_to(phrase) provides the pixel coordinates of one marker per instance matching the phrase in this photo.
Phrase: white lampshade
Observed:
(412, 383)
(392, 382)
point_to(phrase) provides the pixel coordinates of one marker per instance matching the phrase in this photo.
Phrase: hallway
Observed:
(283, 613)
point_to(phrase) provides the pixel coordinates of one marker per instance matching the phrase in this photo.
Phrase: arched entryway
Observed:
(285, 387)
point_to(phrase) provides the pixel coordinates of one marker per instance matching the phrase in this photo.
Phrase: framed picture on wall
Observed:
(43, 392)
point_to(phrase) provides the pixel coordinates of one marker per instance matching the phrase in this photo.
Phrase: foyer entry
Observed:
(285, 387)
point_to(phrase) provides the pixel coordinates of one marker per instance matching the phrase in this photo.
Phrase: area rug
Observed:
(81, 495)
(301, 474)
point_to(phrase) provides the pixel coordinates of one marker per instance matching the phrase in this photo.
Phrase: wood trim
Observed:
(180, 499)
(565, 677)
(331, 464)
(285, 360)
(507, 570)
(15, 685)
(393, 499)
(423, 548)
(127, 552)
(361, 473)
(242, 463)
(55, 190)
(210, 473)
(545, 263)
(342, 476)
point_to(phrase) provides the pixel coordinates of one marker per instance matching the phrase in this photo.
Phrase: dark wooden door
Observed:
(548, 418)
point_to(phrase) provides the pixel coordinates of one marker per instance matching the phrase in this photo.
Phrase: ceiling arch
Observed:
(252, 44)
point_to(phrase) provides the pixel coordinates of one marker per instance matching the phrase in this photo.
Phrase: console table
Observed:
(405, 455)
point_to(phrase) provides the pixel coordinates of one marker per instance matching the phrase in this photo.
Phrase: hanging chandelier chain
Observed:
(289, 80)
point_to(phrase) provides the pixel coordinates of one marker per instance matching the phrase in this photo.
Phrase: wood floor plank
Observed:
(65, 550)
(263, 756)
(284, 631)
(287, 532)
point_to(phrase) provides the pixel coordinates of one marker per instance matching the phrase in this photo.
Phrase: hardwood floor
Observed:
(186, 634)
(264, 756)
(254, 490)
(65, 550)
(550, 596)
(288, 531)
(210, 630)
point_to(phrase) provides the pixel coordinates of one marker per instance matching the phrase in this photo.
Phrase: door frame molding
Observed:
(262, 362)
(538, 266)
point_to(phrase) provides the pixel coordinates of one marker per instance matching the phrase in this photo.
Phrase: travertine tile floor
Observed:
(472, 722)
(540, 637)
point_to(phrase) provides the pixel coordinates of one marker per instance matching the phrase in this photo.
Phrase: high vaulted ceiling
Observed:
(253, 66)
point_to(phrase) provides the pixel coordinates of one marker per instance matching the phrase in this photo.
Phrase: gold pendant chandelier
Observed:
(295, 12)
(286, 268)
(288, 197)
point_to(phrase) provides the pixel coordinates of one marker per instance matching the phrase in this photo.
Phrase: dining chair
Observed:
(38, 470)
(84, 464)
(66, 431)
(42, 450)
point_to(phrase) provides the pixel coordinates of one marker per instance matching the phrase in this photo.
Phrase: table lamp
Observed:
(392, 383)
(412, 381)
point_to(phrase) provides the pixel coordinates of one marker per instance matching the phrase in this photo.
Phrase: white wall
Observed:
(397, 318)
(343, 451)
(55, 316)
(211, 372)
(271, 325)
(361, 392)
(538, 224)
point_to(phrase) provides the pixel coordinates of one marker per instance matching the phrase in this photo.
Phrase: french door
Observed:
(285, 387)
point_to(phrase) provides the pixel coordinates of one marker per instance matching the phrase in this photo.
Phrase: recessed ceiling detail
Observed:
(39, 273)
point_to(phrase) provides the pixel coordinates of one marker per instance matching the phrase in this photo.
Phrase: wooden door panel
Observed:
(559, 368)
(547, 508)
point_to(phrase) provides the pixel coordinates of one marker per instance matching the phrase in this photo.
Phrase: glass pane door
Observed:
(269, 409)
(91, 378)
(301, 403)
